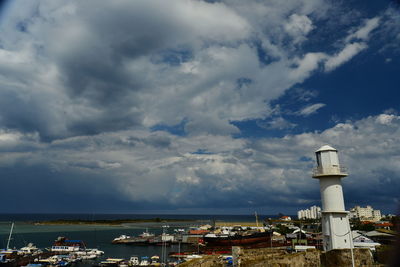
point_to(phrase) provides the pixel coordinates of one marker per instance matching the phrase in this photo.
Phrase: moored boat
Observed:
(134, 261)
(238, 239)
(143, 238)
(144, 261)
(62, 244)
(111, 262)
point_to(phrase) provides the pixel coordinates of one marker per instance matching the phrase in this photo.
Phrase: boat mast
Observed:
(256, 218)
(9, 237)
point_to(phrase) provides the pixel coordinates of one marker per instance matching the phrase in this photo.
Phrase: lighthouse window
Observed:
(319, 159)
(341, 218)
(345, 241)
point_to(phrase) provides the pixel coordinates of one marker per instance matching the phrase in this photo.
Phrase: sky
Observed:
(196, 107)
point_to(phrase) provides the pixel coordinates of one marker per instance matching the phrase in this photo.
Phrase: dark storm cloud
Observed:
(103, 65)
(27, 113)
(160, 170)
(100, 42)
(31, 184)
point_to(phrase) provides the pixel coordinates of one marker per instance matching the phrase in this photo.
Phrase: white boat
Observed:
(111, 262)
(8, 250)
(155, 259)
(88, 254)
(194, 256)
(134, 261)
(95, 251)
(63, 244)
(144, 261)
(88, 257)
(127, 239)
(121, 237)
(59, 260)
(30, 249)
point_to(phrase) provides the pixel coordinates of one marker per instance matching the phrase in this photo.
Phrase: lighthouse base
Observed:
(336, 230)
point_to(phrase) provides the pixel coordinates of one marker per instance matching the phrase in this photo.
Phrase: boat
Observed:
(8, 251)
(62, 244)
(134, 261)
(111, 262)
(57, 260)
(144, 261)
(193, 256)
(237, 239)
(88, 254)
(29, 249)
(123, 264)
(155, 260)
(134, 240)
(121, 238)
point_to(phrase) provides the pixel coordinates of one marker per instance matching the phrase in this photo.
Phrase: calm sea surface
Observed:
(99, 237)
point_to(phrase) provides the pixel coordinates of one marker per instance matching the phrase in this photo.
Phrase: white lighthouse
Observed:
(335, 223)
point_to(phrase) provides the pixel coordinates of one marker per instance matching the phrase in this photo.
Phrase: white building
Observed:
(335, 223)
(313, 212)
(362, 241)
(376, 214)
(366, 214)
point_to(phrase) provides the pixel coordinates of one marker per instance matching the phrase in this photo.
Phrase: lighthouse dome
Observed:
(326, 148)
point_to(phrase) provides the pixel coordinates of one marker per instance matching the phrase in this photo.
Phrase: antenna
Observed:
(255, 213)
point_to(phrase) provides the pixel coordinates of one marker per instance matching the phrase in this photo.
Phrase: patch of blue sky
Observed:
(201, 151)
(366, 85)
(178, 129)
(175, 57)
(306, 159)
(4, 6)
(328, 34)
(368, 8)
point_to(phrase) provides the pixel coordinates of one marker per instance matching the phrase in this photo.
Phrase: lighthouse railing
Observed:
(331, 170)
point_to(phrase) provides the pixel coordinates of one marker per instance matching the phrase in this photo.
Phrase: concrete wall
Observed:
(208, 261)
(262, 257)
(278, 258)
(342, 258)
(265, 257)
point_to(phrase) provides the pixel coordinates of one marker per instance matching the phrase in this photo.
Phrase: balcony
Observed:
(329, 171)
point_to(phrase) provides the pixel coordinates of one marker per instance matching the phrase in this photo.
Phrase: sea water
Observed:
(99, 237)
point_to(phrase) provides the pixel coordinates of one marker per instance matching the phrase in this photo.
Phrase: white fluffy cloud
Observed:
(298, 27)
(344, 55)
(352, 48)
(141, 63)
(363, 33)
(311, 109)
